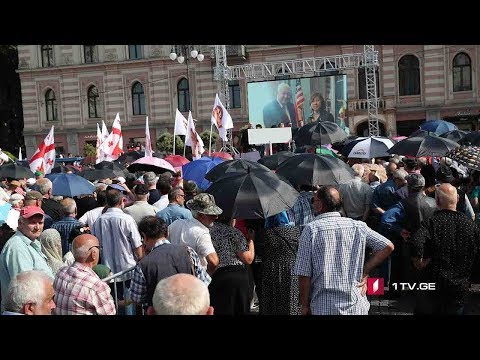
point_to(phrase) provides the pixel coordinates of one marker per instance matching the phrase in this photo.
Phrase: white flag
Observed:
(113, 145)
(180, 124)
(221, 118)
(44, 158)
(104, 132)
(193, 140)
(148, 142)
(98, 157)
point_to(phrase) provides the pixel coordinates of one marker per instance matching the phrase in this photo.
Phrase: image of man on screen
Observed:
(280, 110)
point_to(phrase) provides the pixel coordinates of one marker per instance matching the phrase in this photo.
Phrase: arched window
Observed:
(90, 52)
(138, 99)
(409, 75)
(462, 72)
(93, 102)
(183, 95)
(51, 105)
(47, 55)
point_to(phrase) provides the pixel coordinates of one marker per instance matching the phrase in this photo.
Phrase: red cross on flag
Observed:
(112, 147)
(44, 158)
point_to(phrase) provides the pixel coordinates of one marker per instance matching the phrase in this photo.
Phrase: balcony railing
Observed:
(361, 104)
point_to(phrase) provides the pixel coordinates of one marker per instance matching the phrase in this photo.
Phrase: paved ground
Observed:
(380, 305)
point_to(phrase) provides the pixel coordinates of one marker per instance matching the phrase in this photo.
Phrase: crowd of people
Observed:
(406, 220)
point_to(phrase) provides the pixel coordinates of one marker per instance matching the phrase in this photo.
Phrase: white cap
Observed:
(31, 181)
(121, 179)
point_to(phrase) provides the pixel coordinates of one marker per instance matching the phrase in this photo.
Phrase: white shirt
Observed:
(193, 233)
(91, 216)
(162, 203)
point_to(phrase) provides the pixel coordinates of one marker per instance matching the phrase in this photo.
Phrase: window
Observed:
(90, 52)
(234, 93)
(138, 99)
(51, 105)
(183, 95)
(135, 52)
(47, 55)
(409, 75)
(93, 102)
(462, 72)
(362, 83)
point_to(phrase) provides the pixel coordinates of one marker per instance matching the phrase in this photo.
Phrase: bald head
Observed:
(330, 199)
(391, 167)
(446, 196)
(85, 249)
(181, 294)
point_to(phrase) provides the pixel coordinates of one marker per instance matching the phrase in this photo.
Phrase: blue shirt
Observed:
(18, 255)
(392, 219)
(384, 195)
(65, 227)
(174, 212)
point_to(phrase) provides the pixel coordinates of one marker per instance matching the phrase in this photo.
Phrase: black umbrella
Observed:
(454, 135)
(97, 174)
(276, 159)
(472, 138)
(234, 167)
(130, 157)
(314, 169)
(63, 169)
(323, 132)
(253, 195)
(417, 146)
(115, 168)
(14, 171)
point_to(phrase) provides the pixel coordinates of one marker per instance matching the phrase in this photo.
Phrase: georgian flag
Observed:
(112, 147)
(44, 158)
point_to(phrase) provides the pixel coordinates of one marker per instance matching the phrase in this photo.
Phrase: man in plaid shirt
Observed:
(330, 259)
(78, 289)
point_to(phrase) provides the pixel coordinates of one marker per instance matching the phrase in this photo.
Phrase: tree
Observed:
(205, 136)
(89, 150)
(165, 144)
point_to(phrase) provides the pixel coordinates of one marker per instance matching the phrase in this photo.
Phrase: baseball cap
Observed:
(28, 211)
(31, 181)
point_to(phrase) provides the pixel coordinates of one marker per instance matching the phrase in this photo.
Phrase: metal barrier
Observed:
(117, 278)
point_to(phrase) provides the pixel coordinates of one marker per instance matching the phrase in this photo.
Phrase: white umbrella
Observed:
(370, 147)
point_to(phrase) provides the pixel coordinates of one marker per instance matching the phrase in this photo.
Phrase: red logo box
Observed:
(375, 286)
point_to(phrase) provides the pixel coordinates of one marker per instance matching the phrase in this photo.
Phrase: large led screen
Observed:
(271, 103)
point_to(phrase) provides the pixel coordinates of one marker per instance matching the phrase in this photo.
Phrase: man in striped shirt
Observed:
(330, 260)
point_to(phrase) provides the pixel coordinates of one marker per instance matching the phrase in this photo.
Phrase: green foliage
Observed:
(89, 150)
(205, 136)
(165, 144)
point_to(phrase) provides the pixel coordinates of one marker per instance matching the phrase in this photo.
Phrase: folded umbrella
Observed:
(70, 185)
(253, 195)
(234, 167)
(314, 169)
(197, 170)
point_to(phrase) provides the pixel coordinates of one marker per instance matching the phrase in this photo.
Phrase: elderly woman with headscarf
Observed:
(280, 292)
(52, 248)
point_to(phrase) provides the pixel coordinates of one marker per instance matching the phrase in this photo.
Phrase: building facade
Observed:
(74, 87)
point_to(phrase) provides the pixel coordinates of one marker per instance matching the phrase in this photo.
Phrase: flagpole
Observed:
(174, 143)
(210, 144)
(184, 145)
